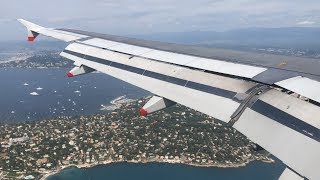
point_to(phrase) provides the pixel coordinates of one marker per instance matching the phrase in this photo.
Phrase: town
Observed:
(50, 59)
(176, 135)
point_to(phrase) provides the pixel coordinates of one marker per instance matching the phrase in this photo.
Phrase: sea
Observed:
(164, 171)
(37, 94)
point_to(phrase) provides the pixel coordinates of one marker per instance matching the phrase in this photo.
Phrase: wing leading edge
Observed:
(237, 93)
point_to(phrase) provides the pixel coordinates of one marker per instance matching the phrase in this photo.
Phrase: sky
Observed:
(129, 17)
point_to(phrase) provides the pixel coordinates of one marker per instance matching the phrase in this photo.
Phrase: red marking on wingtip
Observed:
(69, 74)
(143, 112)
(31, 38)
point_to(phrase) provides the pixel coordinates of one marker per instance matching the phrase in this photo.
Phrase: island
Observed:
(36, 149)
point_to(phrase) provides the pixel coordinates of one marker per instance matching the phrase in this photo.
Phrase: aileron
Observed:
(303, 86)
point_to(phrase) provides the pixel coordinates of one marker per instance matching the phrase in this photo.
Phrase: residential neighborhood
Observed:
(175, 135)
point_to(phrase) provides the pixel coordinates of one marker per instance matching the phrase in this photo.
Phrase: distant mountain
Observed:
(291, 37)
(289, 41)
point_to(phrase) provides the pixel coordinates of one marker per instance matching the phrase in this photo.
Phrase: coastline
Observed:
(224, 163)
(117, 103)
(47, 174)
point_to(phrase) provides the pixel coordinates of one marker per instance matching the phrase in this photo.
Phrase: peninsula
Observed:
(175, 135)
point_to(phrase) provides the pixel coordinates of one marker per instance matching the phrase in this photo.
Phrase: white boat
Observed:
(34, 94)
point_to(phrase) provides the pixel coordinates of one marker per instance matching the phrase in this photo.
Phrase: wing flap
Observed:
(303, 86)
(201, 101)
(277, 123)
(166, 80)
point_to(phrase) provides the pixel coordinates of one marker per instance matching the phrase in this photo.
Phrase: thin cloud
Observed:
(144, 16)
(306, 23)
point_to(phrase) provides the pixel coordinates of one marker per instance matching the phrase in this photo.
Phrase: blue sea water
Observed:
(163, 171)
(60, 96)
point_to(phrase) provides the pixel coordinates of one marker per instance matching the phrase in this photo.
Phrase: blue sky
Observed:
(144, 17)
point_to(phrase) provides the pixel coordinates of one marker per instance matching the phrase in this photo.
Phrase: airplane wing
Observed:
(273, 100)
